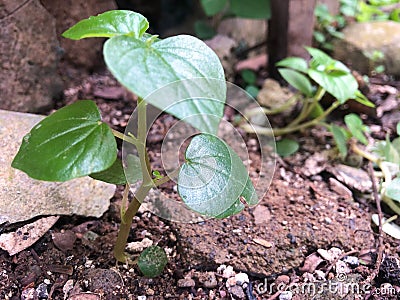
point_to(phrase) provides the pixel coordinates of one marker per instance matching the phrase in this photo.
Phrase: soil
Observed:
(304, 212)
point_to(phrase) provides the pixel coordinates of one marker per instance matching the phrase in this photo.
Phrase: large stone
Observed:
(85, 53)
(22, 198)
(28, 56)
(362, 39)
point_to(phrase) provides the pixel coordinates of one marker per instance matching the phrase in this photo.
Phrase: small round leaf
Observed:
(152, 261)
(286, 147)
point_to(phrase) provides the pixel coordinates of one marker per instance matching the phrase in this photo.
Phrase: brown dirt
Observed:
(299, 215)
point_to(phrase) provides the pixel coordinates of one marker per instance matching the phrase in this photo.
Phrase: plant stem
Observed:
(144, 188)
(286, 130)
(127, 138)
(255, 111)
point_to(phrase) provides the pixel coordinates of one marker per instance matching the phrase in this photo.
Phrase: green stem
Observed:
(307, 109)
(274, 111)
(144, 188)
(127, 138)
(286, 130)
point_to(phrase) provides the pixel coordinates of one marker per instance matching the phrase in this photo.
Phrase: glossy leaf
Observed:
(168, 61)
(297, 80)
(152, 261)
(342, 88)
(72, 142)
(356, 127)
(252, 9)
(360, 98)
(212, 7)
(213, 178)
(340, 139)
(114, 174)
(109, 24)
(286, 147)
(295, 63)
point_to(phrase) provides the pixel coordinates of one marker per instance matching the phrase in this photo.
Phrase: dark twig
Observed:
(337, 259)
(375, 272)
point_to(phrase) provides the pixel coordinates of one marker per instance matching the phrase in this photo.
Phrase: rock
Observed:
(207, 280)
(331, 254)
(139, 246)
(352, 261)
(261, 214)
(286, 295)
(228, 272)
(29, 294)
(282, 279)
(362, 39)
(223, 46)
(250, 32)
(22, 198)
(272, 95)
(84, 53)
(103, 280)
(186, 282)
(28, 73)
(340, 189)
(341, 268)
(241, 278)
(237, 292)
(64, 240)
(41, 291)
(354, 178)
(26, 236)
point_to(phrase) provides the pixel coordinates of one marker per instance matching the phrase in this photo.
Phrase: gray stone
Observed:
(29, 54)
(22, 198)
(362, 39)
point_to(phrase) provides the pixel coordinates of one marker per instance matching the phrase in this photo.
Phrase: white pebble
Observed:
(241, 278)
(141, 298)
(228, 272)
(286, 295)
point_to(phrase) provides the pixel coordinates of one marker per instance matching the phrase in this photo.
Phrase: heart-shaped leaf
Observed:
(297, 80)
(184, 66)
(356, 127)
(72, 142)
(152, 261)
(295, 63)
(108, 24)
(213, 178)
(114, 174)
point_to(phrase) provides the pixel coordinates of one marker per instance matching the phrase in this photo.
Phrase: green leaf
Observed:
(286, 147)
(297, 80)
(109, 24)
(72, 142)
(152, 261)
(393, 189)
(212, 7)
(203, 30)
(360, 98)
(295, 63)
(249, 76)
(398, 129)
(317, 111)
(342, 88)
(213, 178)
(356, 127)
(252, 9)
(319, 57)
(340, 139)
(114, 174)
(183, 66)
(252, 90)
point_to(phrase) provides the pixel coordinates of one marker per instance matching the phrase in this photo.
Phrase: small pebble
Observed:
(141, 298)
(341, 268)
(352, 261)
(282, 279)
(47, 281)
(150, 292)
(237, 292)
(231, 282)
(286, 295)
(241, 278)
(228, 272)
(29, 294)
(186, 282)
(68, 286)
(42, 292)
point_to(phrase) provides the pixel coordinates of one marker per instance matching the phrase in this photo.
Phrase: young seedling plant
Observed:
(75, 142)
(385, 155)
(313, 79)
